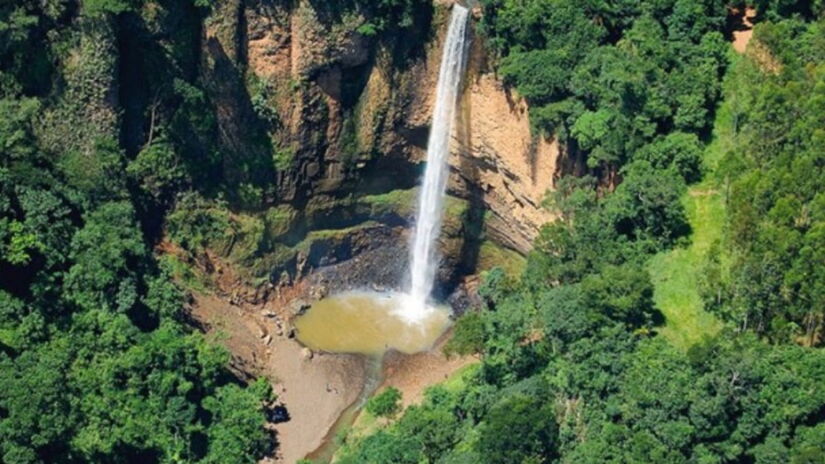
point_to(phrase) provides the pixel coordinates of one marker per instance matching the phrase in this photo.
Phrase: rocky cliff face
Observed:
(347, 114)
(497, 158)
(498, 164)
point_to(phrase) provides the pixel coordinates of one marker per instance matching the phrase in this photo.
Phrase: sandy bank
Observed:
(412, 374)
(315, 390)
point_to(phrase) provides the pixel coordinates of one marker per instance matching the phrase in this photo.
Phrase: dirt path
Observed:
(316, 391)
(742, 28)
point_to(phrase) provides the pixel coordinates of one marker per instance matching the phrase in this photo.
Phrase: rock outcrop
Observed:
(498, 158)
(347, 114)
(498, 163)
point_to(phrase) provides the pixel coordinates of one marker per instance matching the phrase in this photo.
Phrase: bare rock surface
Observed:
(495, 155)
(348, 118)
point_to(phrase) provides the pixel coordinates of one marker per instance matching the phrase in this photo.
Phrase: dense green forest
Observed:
(98, 362)
(572, 368)
(106, 128)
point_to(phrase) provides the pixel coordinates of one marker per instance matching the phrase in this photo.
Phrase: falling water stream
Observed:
(423, 256)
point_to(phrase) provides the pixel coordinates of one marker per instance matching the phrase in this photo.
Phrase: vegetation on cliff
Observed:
(123, 122)
(96, 361)
(114, 135)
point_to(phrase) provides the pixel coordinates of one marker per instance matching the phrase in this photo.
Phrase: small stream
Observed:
(332, 442)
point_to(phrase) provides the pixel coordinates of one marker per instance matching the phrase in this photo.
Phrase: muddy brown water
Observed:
(369, 324)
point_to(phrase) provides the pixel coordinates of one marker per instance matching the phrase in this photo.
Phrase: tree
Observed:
(98, 172)
(647, 204)
(96, 8)
(620, 293)
(519, 429)
(158, 170)
(774, 205)
(383, 447)
(468, 336)
(237, 431)
(108, 252)
(678, 150)
(385, 404)
(38, 415)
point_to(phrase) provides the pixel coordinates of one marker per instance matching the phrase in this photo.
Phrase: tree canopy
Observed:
(572, 368)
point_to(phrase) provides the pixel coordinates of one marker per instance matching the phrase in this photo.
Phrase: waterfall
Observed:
(423, 256)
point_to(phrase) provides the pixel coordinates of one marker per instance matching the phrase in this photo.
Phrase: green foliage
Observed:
(678, 150)
(681, 275)
(773, 233)
(95, 362)
(102, 7)
(777, 9)
(99, 172)
(367, 29)
(260, 97)
(96, 365)
(644, 214)
(17, 242)
(424, 433)
(249, 196)
(619, 293)
(491, 255)
(385, 404)
(468, 336)
(16, 138)
(383, 447)
(572, 368)
(237, 423)
(26, 63)
(158, 170)
(192, 128)
(350, 146)
(282, 157)
(383, 15)
(647, 204)
(84, 121)
(518, 429)
(608, 78)
(195, 222)
(108, 252)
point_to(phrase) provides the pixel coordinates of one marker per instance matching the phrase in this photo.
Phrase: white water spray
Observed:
(423, 257)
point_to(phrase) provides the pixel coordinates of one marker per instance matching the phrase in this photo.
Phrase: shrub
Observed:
(385, 404)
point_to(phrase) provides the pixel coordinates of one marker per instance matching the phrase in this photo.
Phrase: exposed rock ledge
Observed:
(495, 156)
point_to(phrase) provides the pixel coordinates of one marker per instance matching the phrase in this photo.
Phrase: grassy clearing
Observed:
(675, 273)
(400, 202)
(458, 379)
(186, 274)
(493, 255)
